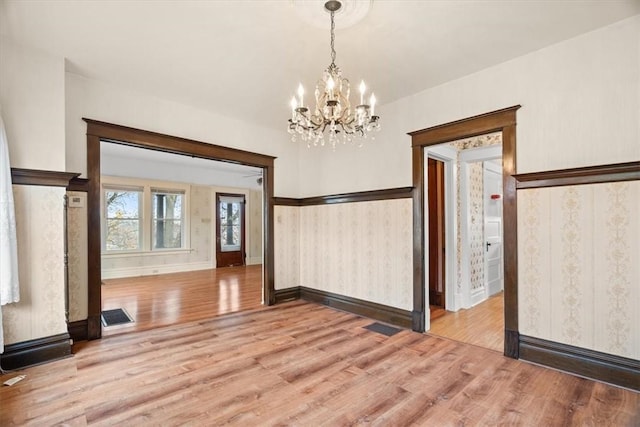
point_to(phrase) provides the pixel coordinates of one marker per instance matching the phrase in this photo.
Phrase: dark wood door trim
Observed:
(503, 121)
(219, 256)
(100, 131)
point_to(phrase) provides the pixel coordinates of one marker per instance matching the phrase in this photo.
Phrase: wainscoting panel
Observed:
(361, 250)
(287, 246)
(578, 266)
(40, 230)
(77, 251)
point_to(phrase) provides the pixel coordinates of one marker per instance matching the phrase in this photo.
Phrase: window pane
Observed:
(122, 234)
(167, 219)
(167, 234)
(122, 222)
(122, 204)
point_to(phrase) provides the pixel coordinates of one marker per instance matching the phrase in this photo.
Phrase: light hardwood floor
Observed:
(481, 325)
(168, 299)
(301, 364)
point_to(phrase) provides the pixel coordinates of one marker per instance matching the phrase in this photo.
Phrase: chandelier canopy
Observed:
(333, 111)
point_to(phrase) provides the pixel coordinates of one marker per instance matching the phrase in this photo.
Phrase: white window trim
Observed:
(146, 247)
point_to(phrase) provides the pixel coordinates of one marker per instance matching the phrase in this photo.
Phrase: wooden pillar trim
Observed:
(98, 131)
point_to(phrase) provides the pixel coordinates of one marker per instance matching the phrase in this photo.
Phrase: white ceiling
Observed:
(126, 161)
(245, 58)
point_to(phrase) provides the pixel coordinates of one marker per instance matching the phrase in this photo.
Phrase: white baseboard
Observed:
(254, 260)
(149, 270)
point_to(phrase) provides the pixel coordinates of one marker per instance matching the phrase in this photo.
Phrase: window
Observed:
(167, 209)
(144, 216)
(122, 219)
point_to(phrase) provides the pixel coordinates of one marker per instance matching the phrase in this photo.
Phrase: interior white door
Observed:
(494, 280)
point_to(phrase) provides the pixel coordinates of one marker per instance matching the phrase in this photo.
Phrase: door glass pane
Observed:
(229, 226)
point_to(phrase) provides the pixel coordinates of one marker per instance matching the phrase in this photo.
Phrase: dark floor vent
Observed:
(115, 317)
(383, 329)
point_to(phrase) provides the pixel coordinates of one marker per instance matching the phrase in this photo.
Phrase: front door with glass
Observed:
(230, 229)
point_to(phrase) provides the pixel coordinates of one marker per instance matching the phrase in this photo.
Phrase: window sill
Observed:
(146, 253)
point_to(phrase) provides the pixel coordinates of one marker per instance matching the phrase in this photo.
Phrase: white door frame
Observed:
(492, 167)
(470, 156)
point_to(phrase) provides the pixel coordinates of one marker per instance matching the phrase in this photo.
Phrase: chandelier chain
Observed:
(333, 39)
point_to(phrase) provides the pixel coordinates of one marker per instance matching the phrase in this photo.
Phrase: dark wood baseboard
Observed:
(511, 343)
(605, 367)
(383, 313)
(34, 352)
(94, 327)
(78, 330)
(287, 294)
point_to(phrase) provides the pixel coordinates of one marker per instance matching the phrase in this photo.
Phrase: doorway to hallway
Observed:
(463, 235)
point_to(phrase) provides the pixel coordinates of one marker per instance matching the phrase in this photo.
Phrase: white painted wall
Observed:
(580, 106)
(100, 101)
(32, 101)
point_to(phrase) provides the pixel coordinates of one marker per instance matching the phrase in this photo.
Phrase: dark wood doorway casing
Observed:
(437, 237)
(503, 121)
(100, 131)
(235, 257)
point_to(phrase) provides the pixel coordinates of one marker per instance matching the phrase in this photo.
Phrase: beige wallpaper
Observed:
(476, 226)
(40, 226)
(287, 246)
(579, 267)
(254, 227)
(362, 250)
(77, 260)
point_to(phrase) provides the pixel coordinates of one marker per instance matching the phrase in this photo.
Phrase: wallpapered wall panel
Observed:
(287, 246)
(77, 248)
(40, 231)
(578, 265)
(476, 227)
(361, 250)
(254, 230)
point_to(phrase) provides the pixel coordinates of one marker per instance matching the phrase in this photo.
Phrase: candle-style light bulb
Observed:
(300, 94)
(363, 89)
(294, 105)
(372, 101)
(330, 86)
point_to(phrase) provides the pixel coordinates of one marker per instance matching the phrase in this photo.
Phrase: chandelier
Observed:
(333, 112)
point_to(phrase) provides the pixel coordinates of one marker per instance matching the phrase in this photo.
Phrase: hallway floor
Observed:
(482, 325)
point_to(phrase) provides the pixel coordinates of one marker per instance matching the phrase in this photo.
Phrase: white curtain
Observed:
(9, 288)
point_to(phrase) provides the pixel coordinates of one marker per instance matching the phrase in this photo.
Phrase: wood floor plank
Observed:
(481, 325)
(301, 364)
